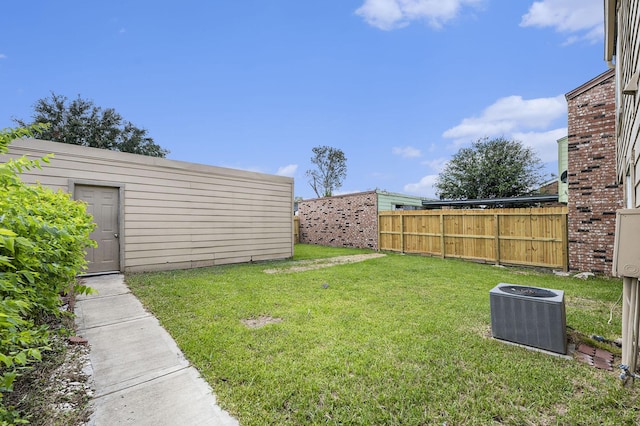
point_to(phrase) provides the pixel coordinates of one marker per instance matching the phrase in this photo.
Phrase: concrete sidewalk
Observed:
(140, 376)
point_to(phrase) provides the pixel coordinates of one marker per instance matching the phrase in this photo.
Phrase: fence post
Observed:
(442, 254)
(402, 232)
(379, 231)
(296, 229)
(496, 228)
(564, 217)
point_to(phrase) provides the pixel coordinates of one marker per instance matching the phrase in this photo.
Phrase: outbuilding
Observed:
(160, 214)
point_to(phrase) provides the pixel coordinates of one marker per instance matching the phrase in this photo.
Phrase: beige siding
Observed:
(627, 63)
(178, 214)
(622, 23)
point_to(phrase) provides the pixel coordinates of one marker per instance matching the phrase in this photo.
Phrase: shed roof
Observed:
(493, 201)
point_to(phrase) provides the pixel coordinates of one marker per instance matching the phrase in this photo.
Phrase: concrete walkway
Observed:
(140, 376)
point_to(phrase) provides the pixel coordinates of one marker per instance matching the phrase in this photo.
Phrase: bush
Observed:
(43, 237)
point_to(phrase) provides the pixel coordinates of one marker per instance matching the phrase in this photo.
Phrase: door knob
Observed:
(115, 235)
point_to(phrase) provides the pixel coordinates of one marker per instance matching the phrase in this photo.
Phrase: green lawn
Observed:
(393, 340)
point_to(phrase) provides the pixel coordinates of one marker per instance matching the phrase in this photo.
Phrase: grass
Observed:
(393, 340)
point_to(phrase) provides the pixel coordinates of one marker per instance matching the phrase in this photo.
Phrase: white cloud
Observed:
(544, 143)
(392, 14)
(424, 188)
(585, 17)
(288, 170)
(406, 152)
(3, 56)
(436, 164)
(507, 116)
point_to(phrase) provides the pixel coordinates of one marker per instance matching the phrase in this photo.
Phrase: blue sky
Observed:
(398, 85)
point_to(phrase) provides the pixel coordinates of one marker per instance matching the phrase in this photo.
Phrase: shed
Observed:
(159, 214)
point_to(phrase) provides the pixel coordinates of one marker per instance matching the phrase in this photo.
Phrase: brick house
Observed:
(349, 220)
(594, 193)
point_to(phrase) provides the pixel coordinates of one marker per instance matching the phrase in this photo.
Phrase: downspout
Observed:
(610, 12)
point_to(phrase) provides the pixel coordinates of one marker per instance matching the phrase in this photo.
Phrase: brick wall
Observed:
(349, 220)
(594, 193)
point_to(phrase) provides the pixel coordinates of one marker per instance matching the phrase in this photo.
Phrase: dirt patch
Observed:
(261, 321)
(307, 265)
(58, 390)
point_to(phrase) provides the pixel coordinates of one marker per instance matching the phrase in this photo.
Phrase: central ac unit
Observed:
(530, 316)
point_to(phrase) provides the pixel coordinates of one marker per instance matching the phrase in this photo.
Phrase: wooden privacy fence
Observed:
(528, 236)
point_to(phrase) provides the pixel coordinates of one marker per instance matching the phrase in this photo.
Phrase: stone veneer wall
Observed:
(594, 193)
(349, 220)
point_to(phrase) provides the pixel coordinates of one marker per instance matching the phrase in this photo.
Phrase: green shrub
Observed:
(43, 237)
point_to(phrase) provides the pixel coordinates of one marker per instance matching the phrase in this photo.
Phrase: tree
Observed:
(331, 170)
(490, 168)
(80, 122)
